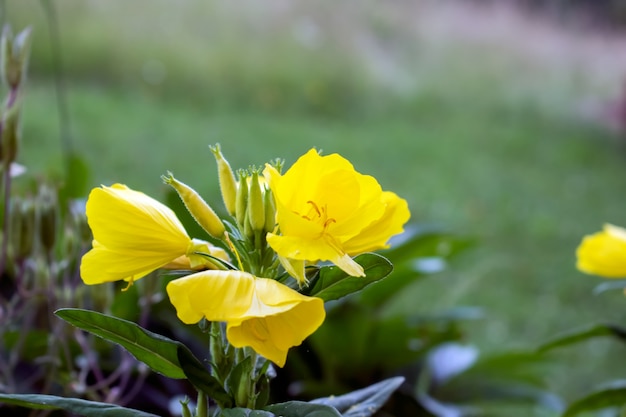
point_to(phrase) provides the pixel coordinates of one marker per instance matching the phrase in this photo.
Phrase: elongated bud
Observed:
(15, 52)
(228, 183)
(197, 207)
(270, 211)
(48, 217)
(256, 205)
(23, 228)
(242, 199)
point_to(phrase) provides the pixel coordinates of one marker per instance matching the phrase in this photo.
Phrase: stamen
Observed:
(232, 247)
(317, 210)
(131, 280)
(329, 222)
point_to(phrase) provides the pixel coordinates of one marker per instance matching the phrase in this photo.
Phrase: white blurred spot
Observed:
(450, 359)
(429, 265)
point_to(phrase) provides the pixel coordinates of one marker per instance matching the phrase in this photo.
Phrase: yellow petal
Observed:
(328, 211)
(102, 264)
(261, 313)
(377, 234)
(133, 235)
(282, 319)
(294, 268)
(604, 253)
(349, 266)
(216, 295)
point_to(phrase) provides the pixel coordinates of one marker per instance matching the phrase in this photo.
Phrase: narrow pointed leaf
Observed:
(163, 355)
(614, 396)
(245, 412)
(583, 334)
(364, 402)
(332, 283)
(156, 351)
(302, 409)
(73, 405)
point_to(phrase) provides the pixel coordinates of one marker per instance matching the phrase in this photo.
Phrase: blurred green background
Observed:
(491, 122)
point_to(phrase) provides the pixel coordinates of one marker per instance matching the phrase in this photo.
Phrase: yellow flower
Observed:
(261, 313)
(604, 253)
(133, 236)
(328, 211)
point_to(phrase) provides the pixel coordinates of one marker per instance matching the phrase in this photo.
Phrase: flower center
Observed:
(319, 215)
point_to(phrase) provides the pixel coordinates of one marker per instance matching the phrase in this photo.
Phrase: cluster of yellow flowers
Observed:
(321, 209)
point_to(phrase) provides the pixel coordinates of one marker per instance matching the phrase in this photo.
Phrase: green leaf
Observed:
(613, 396)
(73, 405)
(421, 240)
(508, 377)
(583, 334)
(245, 412)
(234, 378)
(198, 375)
(302, 409)
(165, 356)
(332, 283)
(364, 402)
(408, 254)
(76, 181)
(156, 351)
(613, 284)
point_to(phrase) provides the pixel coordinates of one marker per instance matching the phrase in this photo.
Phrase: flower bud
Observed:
(242, 199)
(23, 228)
(256, 205)
(270, 211)
(15, 51)
(197, 207)
(228, 183)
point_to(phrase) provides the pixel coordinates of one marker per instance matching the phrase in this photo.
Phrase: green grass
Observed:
(526, 179)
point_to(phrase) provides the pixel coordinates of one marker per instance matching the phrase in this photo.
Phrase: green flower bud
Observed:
(228, 183)
(197, 207)
(256, 205)
(241, 206)
(15, 52)
(270, 211)
(248, 231)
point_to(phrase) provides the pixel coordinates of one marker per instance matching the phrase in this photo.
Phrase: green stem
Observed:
(252, 394)
(5, 217)
(202, 408)
(60, 88)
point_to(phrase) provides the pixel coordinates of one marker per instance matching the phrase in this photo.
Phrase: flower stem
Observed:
(202, 408)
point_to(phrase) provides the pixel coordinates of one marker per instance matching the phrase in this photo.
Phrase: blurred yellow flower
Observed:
(135, 235)
(328, 211)
(260, 313)
(603, 253)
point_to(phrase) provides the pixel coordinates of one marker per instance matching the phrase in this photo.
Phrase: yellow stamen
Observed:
(131, 280)
(232, 247)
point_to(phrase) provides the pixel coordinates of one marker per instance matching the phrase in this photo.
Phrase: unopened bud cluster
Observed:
(256, 212)
(39, 233)
(248, 199)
